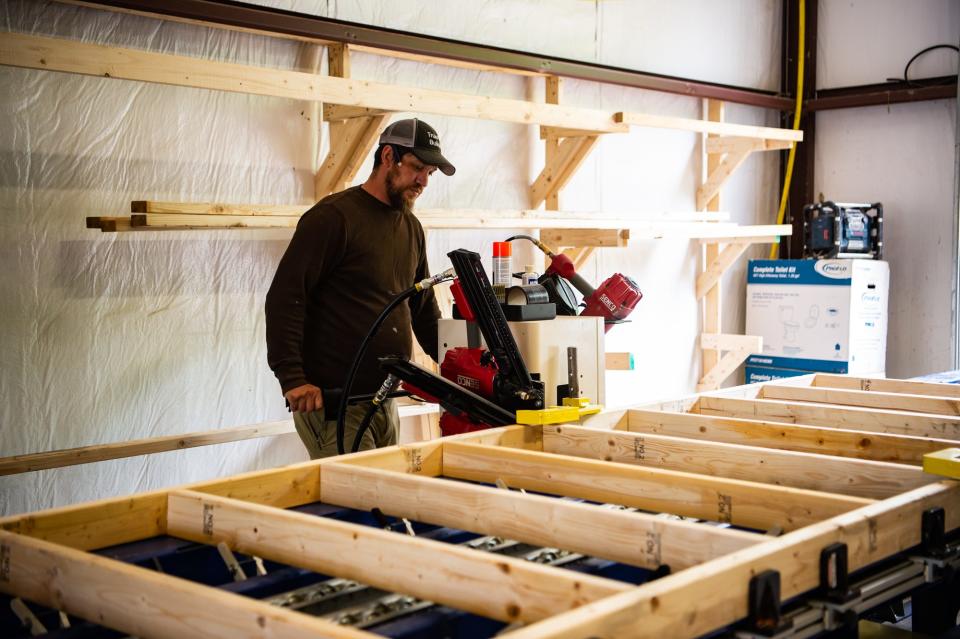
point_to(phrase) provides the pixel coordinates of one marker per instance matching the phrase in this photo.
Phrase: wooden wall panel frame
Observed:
(42, 556)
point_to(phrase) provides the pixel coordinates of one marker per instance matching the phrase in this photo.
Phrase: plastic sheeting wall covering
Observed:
(111, 337)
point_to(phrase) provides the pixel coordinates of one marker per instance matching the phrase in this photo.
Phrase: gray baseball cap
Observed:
(421, 139)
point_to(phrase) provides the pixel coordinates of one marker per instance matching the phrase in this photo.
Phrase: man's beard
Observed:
(395, 193)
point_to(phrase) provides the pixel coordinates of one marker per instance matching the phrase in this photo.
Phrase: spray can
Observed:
(501, 263)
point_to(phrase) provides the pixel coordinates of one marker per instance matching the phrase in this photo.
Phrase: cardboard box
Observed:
(819, 315)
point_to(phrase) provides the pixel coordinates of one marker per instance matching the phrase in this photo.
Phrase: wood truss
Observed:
(791, 467)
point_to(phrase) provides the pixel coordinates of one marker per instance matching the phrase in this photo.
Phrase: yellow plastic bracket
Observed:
(572, 410)
(552, 415)
(944, 462)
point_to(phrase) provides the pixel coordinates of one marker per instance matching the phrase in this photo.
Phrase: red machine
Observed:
(477, 388)
(481, 388)
(613, 300)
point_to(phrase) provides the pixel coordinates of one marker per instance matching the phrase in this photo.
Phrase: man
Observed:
(352, 253)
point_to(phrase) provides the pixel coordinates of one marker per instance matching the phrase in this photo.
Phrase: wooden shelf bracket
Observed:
(737, 347)
(353, 132)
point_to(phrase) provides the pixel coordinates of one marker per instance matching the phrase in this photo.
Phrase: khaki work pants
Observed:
(320, 435)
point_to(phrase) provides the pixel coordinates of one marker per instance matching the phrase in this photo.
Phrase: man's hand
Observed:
(304, 399)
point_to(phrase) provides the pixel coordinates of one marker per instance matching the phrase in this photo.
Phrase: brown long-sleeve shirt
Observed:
(349, 257)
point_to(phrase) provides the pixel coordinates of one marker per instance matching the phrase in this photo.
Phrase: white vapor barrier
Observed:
(112, 337)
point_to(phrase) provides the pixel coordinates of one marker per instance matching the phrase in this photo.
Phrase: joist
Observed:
(424, 458)
(707, 126)
(838, 442)
(145, 603)
(513, 589)
(935, 389)
(514, 515)
(86, 454)
(583, 238)
(865, 399)
(881, 421)
(809, 471)
(808, 486)
(71, 56)
(570, 154)
(714, 594)
(120, 520)
(687, 494)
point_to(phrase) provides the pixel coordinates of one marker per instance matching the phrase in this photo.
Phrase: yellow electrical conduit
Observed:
(796, 123)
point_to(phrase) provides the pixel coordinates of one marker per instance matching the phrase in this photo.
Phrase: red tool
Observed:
(613, 300)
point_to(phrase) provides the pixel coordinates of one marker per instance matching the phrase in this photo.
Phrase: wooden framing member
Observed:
(837, 442)
(723, 156)
(123, 519)
(514, 589)
(710, 276)
(239, 210)
(712, 317)
(822, 380)
(618, 361)
(712, 595)
(579, 256)
(737, 144)
(142, 602)
(534, 519)
(71, 56)
(565, 469)
(901, 422)
(711, 566)
(551, 143)
(732, 151)
(810, 471)
(351, 141)
(714, 126)
(352, 137)
(569, 155)
(181, 222)
(584, 238)
(737, 347)
(718, 175)
(865, 399)
(109, 224)
(100, 452)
